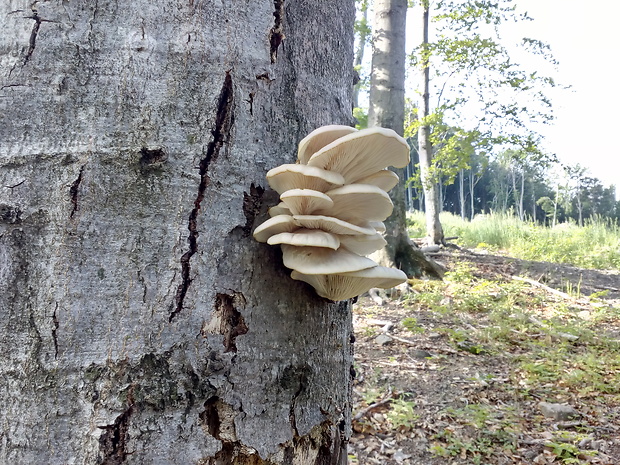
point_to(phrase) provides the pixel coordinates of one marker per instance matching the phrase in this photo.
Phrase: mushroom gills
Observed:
(348, 285)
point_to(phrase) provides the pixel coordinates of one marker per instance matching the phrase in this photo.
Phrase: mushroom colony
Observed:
(332, 205)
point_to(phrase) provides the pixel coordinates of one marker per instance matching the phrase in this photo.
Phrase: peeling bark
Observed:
(276, 35)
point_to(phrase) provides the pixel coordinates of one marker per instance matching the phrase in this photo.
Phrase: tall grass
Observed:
(595, 245)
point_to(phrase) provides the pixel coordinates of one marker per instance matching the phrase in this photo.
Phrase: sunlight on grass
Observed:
(595, 245)
(528, 329)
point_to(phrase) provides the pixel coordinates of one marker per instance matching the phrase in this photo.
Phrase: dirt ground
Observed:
(424, 372)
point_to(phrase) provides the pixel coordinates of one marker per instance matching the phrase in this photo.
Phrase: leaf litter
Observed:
(468, 369)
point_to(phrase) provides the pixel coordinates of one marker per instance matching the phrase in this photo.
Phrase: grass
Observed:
(526, 327)
(548, 350)
(595, 245)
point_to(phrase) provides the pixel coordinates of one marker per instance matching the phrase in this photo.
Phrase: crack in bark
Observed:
(295, 377)
(73, 191)
(16, 185)
(55, 331)
(33, 35)
(113, 441)
(291, 413)
(250, 101)
(224, 120)
(276, 35)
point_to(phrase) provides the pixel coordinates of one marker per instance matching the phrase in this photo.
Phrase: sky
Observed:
(585, 40)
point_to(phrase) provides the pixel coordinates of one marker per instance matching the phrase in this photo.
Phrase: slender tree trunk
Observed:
(462, 193)
(387, 109)
(579, 207)
(472, 185)
(431, 189)
(359, 52)
(517, 194)
(555, 204)
(141, 323)
(521, 194)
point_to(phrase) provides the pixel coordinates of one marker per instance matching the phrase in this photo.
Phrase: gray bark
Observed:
(432, 205)
(359, 55)
(387, 109)
(462, 193)
(141, 323)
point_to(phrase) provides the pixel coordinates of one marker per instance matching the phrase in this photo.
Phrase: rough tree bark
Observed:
(141, 323)
(387, 109)
(434, 231)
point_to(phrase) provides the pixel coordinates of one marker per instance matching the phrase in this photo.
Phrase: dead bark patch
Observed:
(227, 319)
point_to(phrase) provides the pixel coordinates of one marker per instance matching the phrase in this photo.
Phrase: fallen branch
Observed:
(542, 286)
(390, 395)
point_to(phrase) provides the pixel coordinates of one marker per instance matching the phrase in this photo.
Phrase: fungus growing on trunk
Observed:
(306, 238)
(347, 285)
(319, 138)
(333, 202)
(362, 153)
(291, 176)
(306, 201)
(384, 179)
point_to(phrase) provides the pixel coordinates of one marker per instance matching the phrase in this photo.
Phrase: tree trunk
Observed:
(462, 193)
(434, 230)
(142, 324)
(472, 185)
(387, 109)
(359, 52)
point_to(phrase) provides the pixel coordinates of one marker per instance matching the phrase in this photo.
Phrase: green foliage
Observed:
(401, 414)
(474, 72)
(412, 325)
(361, 116)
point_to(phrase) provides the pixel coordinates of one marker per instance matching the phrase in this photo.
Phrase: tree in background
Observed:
(387, 109)
(141, 322)
(363, 34)
(429, 183)
(478, 78)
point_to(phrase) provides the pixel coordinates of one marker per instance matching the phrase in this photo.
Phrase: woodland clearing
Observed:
(506, 361)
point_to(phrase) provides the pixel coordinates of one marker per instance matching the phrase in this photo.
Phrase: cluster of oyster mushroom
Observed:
(333, 202)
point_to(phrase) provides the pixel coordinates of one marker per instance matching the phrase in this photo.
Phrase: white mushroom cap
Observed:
(332, 225)
(280, 209)
(379, 226)
(363, 245)
(306, 238)
(362, 153)
(354, 202)
(347, 285)
(384, 179)
(290, 176)
(321, 260)
(276, 225)
(305, 201)
(319, 138)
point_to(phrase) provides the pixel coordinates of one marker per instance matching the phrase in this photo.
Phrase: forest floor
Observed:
(504, 362)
